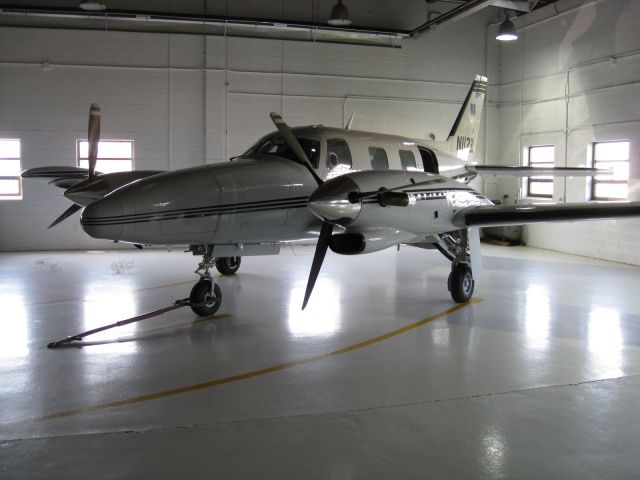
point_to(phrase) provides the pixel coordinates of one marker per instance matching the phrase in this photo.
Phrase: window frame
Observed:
(331, 149)
(107, 159)
(373, 156)
(595, 163)
(18, 177)
(532, 180)
(403, 164)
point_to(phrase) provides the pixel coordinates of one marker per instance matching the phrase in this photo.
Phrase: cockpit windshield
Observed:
(275, 145)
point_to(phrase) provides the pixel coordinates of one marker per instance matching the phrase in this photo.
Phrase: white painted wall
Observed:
(572, 80)
(186, 100)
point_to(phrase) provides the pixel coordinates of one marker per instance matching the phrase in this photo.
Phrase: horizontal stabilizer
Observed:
(496, 170)
(498, 215)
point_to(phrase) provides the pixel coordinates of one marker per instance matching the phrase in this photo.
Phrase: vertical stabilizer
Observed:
(463, 137)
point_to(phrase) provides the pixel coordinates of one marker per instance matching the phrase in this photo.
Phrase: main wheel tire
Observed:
(203, 302)
(228, 265)
(461, 283)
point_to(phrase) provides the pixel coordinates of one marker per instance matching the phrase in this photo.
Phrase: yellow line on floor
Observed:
(241, 376)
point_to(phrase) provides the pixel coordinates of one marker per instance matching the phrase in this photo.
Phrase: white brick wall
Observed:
(597, 48)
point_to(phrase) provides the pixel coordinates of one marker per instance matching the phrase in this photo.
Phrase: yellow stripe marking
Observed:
(242, 376)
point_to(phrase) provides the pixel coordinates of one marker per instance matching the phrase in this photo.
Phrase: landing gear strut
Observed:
(206, 296)
(455, 246)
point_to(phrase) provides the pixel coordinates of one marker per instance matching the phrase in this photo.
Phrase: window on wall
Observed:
(540, 156)
(10, 168)
(113, 155)
(612, 156)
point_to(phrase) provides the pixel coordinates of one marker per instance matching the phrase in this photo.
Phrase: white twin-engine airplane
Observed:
(362, 191)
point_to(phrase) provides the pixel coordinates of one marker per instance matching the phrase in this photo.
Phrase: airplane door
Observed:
(429, 160)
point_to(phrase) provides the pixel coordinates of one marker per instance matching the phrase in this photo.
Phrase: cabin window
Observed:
(338, 153)
(113, 155)
(540, 156)
(612, 156)
(407, 160)
(275, 145)
(10, 180)
(378, 157)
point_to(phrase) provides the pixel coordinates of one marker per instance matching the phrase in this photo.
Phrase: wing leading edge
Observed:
(528, 171)
(497, 215)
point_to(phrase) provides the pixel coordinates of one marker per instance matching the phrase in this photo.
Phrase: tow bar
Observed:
(185, 302)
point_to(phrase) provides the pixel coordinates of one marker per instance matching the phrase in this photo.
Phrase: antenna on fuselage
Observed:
(350, 122)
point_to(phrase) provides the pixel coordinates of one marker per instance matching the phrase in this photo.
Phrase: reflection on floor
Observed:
(378, 378)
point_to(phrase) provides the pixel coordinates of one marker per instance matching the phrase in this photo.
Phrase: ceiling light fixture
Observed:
(507, 31)
(92, 6)
(339, 16)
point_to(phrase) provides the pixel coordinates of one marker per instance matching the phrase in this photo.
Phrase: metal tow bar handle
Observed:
(185, 302)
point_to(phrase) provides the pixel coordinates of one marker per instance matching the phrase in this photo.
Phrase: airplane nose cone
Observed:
(330, 202)
(104, 218)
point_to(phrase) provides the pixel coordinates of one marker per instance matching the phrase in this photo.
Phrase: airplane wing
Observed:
(497, 215)
(496, 170)
(62, 177)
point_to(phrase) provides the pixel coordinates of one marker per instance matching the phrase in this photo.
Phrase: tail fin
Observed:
(463, 137)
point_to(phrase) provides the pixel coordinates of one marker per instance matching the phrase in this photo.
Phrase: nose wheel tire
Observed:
(228, 265)
(461, 283)
(203, 300)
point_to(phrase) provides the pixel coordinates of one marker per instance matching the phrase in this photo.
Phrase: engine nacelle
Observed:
(355, 243)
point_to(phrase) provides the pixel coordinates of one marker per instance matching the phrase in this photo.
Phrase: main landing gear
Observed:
(228, 265)
(455, 246)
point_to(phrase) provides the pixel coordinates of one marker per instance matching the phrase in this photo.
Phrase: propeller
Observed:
(318, 258)
(93, 137)
(67, 213)
(327, 228)
(294, 145)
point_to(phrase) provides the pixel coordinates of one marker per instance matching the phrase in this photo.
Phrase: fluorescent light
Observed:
(339, 15)
(92, 6)
(507, 31)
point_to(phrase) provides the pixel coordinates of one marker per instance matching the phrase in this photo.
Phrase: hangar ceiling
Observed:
(373, 21)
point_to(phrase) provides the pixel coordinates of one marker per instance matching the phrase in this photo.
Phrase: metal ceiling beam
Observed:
(470, 7)
(232, 26)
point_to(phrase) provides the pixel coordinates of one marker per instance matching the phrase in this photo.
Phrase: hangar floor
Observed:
(379, 378)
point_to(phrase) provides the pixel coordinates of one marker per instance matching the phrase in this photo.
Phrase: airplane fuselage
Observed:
(259, 198)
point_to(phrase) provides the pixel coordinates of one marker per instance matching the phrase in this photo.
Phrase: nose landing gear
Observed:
(206, 296)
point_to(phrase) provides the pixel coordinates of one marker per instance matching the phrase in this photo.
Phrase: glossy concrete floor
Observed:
(379, 378)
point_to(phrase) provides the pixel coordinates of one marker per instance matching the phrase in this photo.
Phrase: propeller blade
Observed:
(318, 258)
(294, 145)
(67, 213)
(93, 137)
